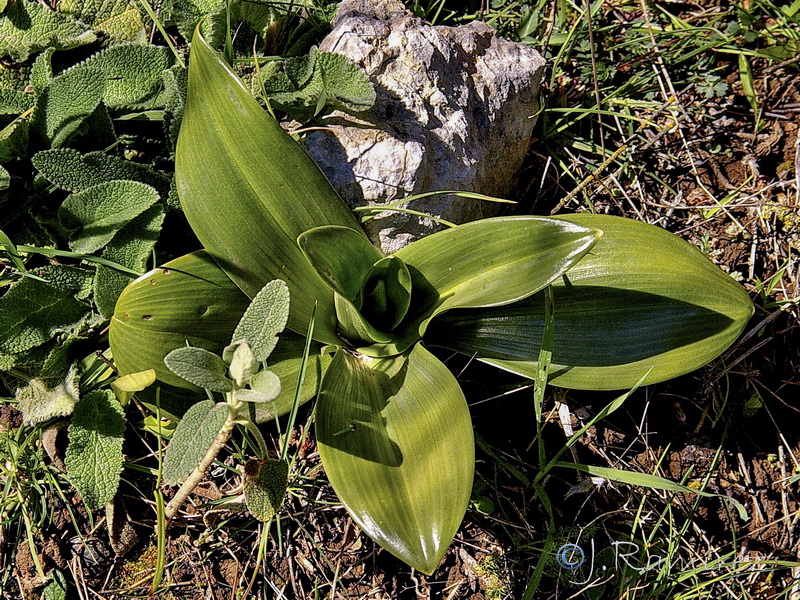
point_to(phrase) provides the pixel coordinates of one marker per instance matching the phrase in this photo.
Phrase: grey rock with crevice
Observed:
(455, 110)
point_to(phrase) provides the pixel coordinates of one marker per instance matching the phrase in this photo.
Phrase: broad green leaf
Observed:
(74, 172)
(126, 386)
(354, 328)
(99, 212)
(192, 438)
(131, 247)
(94, 454)
(265, 485)
(264, 319)
(642, 300)
(69, 100)
(243, 180)
(492, 262)
(133, 74)
(386, 295)
(32, 312)
(341, 256)
(27, 27)
(195, 301)
(39, 402)
(396, 441)
(189, 299)
(188, 13)
(199, 367)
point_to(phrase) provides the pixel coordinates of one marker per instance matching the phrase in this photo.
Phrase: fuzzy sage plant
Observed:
(632, 303)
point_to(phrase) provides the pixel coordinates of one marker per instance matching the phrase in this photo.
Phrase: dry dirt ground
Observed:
(709, 175)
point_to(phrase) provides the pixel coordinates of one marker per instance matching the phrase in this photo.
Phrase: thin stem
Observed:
(200, 470)
(263, 451)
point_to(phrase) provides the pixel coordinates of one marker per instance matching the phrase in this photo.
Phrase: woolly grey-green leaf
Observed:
(133, 74)
(63, 106)
(131, 247)
(40, 402)
(199, 367)
(74, 172)
(5, 178)
(320, 76)
(99, 212)
(120, 20)
(32, 312)
(42, 71)
(264, 319)
(192, 438)
(176, 81)
(265, 484)
(75, 279)
(27, 27)
(14, 102)
(265, 386)
(94, 454)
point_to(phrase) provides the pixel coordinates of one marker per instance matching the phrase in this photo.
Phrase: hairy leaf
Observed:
(99, 212)
(264, 387)
(320, 78)
(131, 247)
(396, 441)
(133, 74)
(94, 455)
(264, 319)
(242, 178)
(265, 484)
(192, 438)
(74, 172)
(32, 312)
(27, 27)
(14, 102)
(120, 20)
(40, 402)
(14, 140)
(65, 104)
(199, 367)
(42, 71)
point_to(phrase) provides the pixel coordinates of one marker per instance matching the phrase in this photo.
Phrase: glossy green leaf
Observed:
(354, 328)
(341, 256)
(248, 190)
(641, 299)
(396, 441)
(491, 262)
(189, 299)
(386, 294)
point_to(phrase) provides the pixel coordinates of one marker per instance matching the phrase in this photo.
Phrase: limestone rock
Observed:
(455, 110)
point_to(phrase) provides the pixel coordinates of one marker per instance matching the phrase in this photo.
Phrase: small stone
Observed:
(455, 110)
